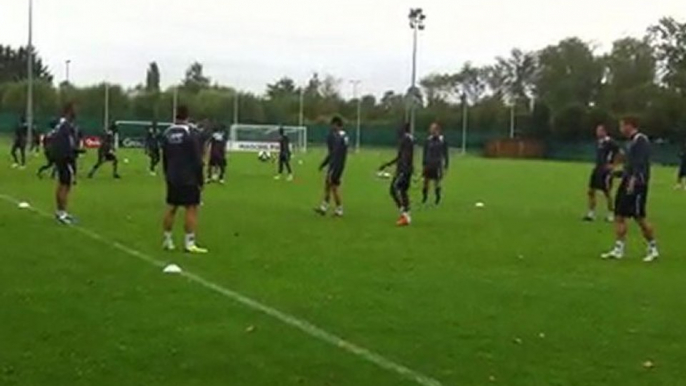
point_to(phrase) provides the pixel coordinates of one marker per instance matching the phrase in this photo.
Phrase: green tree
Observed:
(152, 78)
(629, 84)
(195, 79)
(668, 38)
(14, 65)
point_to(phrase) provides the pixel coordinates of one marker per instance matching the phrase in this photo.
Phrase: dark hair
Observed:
(631, 121)
(337, 121)
(69, 110)
(182, 113)
(281, 130)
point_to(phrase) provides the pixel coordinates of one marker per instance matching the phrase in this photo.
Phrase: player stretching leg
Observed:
(601, 177)
(337, 142)
(47, 150)
(436, 161)
(633, 192)
(217, 165)
(183, 170)
(403, 175)
(152, 147)
(65, 148)
(106, 154)
(284, 155)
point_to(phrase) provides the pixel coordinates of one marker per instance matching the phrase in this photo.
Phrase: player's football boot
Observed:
(652, 255)
(615, 253)
(194, 249)
(403, 221)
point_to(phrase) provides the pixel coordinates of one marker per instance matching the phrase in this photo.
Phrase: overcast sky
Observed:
(253, 42)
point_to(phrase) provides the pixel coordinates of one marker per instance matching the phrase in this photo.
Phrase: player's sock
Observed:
(425, 195)
(339, 211)
(619, 246)
(324, 206)
(168, 242)
(189, 240)
(438, 196)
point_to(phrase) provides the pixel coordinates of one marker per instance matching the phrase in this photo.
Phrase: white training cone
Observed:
(480, 205)
(24, 205)
(172, 268)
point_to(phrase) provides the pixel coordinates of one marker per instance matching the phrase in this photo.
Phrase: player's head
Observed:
(336, 123)
(628, 126)
(600, 131)
(281, 132)
(403, 130)
(69, 112)
(435, 129)
(182, 114)
(154, 125)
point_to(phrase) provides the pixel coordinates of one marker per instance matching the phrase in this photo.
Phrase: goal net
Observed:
(256, 138)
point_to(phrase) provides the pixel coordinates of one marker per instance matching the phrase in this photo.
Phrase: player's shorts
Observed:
(632, 205)
(218, 161)
(284, 157)
(106, 157)
(19, 144)
(601, 179)
(401, 182)
(433, 173)
(66, 171)
(682, 170)
(334, 175)
(183, 195)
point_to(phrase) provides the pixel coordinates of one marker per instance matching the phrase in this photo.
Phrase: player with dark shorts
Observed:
(284, 156)
(681, 175)
(402, 179)
(601, 176)
(337, 143)
(47, 149)
(217, 166)
(183, 170)
(632, 195)
(152, 147)
(106, 153)
(19, 145)
(64, 148)
(436, 162)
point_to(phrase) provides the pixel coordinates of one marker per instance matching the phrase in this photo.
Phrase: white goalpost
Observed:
(256, 138)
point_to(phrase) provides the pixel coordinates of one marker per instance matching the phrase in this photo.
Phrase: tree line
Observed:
(557, 92)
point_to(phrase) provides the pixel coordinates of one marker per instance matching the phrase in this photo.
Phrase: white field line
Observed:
(302, 325)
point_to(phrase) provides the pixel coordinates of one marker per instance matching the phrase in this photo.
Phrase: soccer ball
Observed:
(264, 156)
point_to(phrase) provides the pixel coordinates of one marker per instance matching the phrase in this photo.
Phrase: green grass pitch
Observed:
(512, 294)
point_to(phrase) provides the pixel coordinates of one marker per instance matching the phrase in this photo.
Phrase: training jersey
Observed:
(436, 152)
(637, 163)
(182, 156)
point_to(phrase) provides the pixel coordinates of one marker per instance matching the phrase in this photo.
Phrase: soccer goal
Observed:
(256, 138)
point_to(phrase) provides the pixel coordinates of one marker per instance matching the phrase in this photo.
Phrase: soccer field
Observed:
(512, 294)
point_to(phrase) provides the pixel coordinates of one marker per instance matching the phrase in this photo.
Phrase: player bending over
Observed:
(681, 175)
(217, 164)
(633, 192)
(601, 177)
(284, 155)
(183, 170)
(400, 185)
(436, 161)
(152, 147)
(19, 144)
(337, 143)
(106, 153)
(65, 148)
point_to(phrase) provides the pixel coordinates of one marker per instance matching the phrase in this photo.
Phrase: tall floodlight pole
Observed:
(29, 70)
(358, 102)
(465, 121)
(301, 111)
(106, 116)
(67, 63)
(235, 107)
(512, 119)
(417, 18)
(175, 103)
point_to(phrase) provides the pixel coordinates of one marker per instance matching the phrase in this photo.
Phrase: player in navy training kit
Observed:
(152, 147)
(106, 153)
(284, 155)
(402, 179)
(64, 149)
(183, 169)
(217, 165)
(602, 174)
(436, 162)
(681, 175)
(632, 196)
(337, 143)
(20, 141)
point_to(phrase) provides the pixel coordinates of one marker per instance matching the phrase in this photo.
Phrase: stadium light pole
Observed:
(417, 18)
(512, 119)
(301, 111)
(67, 63)
(29, 75)
(175, 102)
(358, 100)
(465, 122)
(106, 117)
(235, 107)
